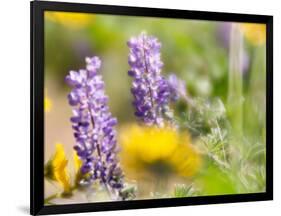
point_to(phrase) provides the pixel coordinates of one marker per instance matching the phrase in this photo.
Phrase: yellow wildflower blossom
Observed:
(157, 151)
(69, 19)
(77, 165)
(59, 163)
(48, 104)
(77, 162)
(255, 33)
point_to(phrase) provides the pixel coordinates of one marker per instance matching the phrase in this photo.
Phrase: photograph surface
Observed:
(146, 108)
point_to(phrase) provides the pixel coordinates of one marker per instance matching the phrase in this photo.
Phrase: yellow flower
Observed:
(255, 33)
(77, 165)
(48, 104)
(77, 162)
(150, 151)
(60, 173)
(69, 19)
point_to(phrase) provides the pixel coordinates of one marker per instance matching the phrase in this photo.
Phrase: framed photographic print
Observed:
(140, 107)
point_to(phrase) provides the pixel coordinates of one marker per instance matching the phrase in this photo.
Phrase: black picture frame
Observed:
(37, 114)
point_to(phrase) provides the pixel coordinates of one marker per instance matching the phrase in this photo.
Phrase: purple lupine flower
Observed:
(223, 34)
(149, 88)
(93, 127)
(224, 30)
(177, 87)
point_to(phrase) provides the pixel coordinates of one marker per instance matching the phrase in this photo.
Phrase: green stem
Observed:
(59, 195)
(50, 198)
(235, 80)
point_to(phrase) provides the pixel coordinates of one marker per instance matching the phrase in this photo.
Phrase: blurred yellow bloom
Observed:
(69, 19)
(48, 104)
(59, 163)
(77, 166)
(77, 162)
(157, 151)
(255, 33)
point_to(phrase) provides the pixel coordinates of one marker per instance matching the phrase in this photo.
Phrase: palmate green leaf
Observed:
(216, 143)
(252, 178)
(128, 193)
(256, 153)
(200, 118)
(206, 121)
(182, 190)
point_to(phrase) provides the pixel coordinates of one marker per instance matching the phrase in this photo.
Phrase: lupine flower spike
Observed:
(177, 89)
(93, 127)
(149, 88)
